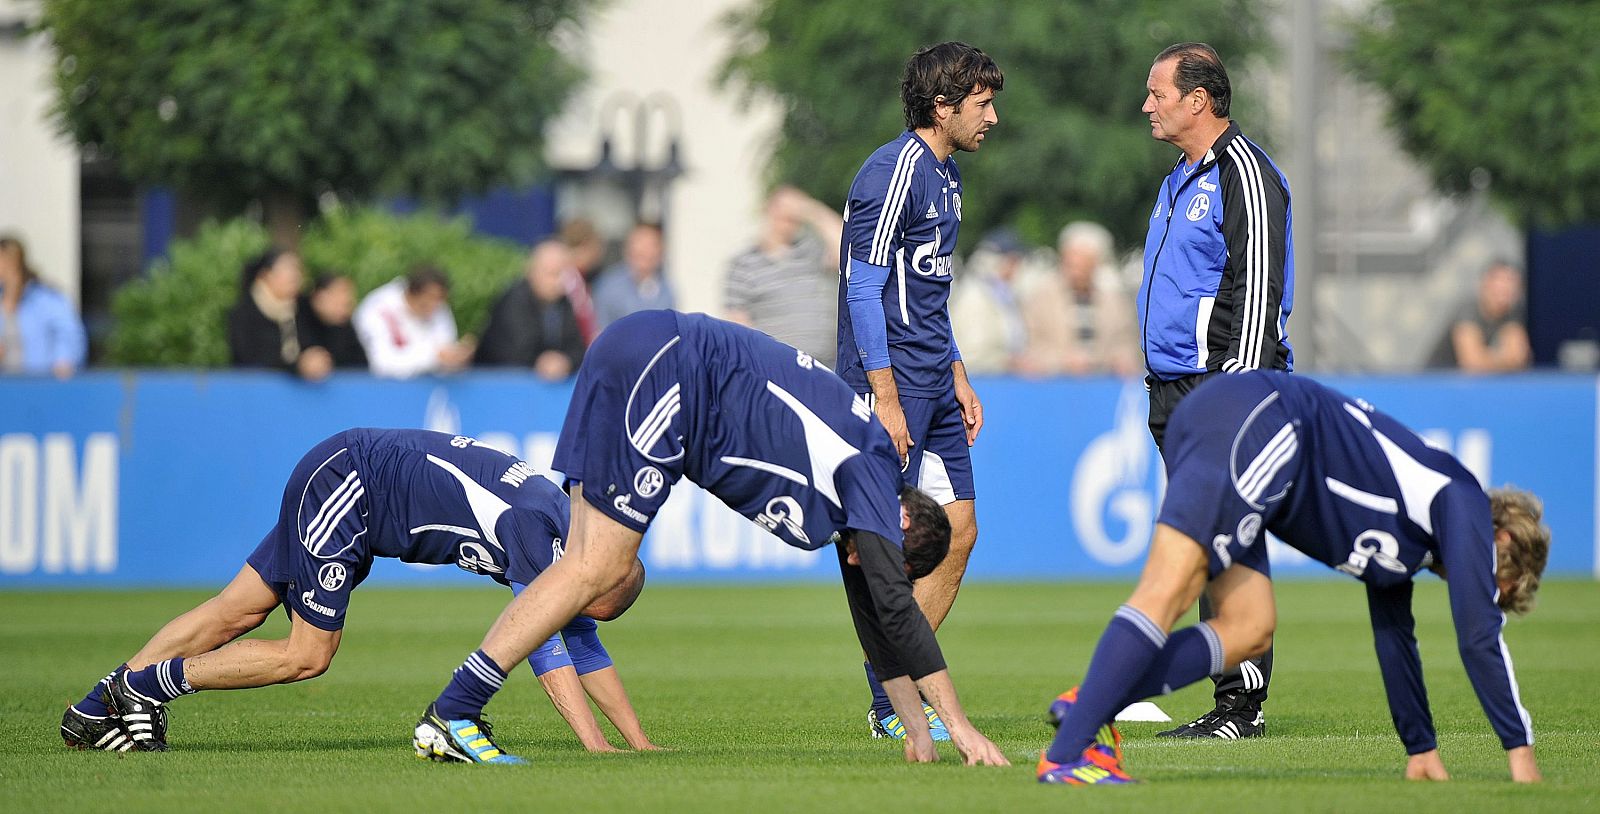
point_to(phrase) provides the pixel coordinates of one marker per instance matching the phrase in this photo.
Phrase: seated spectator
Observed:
(262, 329)
(327, 338)
(40, 332)
(1081, 320)
(984, 313)
(406, 327)
(1490, 334)
(588, 256)
(533, 325)
(638, 283)
(787, 284)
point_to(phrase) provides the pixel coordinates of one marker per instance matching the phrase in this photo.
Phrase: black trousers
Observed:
(1248, 680)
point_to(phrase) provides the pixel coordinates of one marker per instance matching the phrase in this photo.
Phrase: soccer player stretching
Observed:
(776, 436)
(414, 495)
(1348, 486)
(895, 343)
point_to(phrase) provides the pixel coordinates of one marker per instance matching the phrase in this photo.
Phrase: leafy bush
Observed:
(176, 316)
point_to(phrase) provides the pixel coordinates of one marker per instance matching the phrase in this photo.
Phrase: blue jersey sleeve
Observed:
(1393, 634)
(583, 645)
(1466, 547)
(864, 284)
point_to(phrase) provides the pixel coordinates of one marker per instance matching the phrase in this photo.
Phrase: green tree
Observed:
(1071, 142)
(1509, 88)
(279, 101)
(176, 316)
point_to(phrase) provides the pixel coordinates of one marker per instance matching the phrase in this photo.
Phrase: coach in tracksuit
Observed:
(1217, 288)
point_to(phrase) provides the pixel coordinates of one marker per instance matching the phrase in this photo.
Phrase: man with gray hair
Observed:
(1217, 289)
(1080, 320)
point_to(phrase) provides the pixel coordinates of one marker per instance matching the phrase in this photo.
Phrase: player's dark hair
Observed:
(1200, 67)
(950, 69)
(1519, 565)
(257, 266)
(928, 536)
(620, 598)
(423, 275)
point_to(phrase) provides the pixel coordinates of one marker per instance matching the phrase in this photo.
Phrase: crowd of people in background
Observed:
(1017, 309)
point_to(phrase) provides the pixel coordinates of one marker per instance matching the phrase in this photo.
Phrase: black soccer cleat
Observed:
(1232, 719)
(142, 716)
(83, 731)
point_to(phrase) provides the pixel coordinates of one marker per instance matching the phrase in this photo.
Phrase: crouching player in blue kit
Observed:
(778, 438)
(413, 495)
(1350, 487)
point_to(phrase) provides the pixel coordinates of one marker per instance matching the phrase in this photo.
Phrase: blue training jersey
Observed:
(747, 398)
(448, 499)
(1368, 497)
(896, 258)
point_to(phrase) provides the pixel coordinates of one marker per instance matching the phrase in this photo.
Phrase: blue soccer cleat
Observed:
(1095, 767)
(1107, 738)
(890, 726)
(463, 741)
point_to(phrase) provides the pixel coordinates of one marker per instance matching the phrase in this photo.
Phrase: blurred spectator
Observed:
(1080, 320)
(327, 337)
(533, 324)
(40, 332)
(984, 313)
(262, 329)
(588, 255)
(786, 284)
(407, 329)
(638, 283)
(1490, 335)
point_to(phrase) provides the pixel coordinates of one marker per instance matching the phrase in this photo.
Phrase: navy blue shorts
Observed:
(622, 435)
(1231, 454)
(317, 553)
(939, 461)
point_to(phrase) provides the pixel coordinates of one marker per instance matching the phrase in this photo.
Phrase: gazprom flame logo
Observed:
(1117, 485)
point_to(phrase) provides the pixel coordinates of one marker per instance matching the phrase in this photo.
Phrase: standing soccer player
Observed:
(413, 495)
(779, 439)
(1218, 286)
(895, 341)
(1350, 487)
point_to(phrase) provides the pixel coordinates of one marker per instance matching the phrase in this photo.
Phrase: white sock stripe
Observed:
(490, 666)
(1214, 643)
(164, 678)
(1150, 629)
(484, 674)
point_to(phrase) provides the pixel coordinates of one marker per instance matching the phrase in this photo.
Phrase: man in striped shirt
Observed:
(1218, 286)
(412, 495)
(783, 286)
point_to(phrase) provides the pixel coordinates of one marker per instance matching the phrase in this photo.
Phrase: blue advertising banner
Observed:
(153, 478)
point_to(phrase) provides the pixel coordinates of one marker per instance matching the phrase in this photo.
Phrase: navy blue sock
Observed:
(162, 681)
(1125, 652)
(880, 699)
(474, 683)
(94, 703)
(1189, 655)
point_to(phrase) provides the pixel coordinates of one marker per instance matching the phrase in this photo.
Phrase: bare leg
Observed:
(240, 608)
(260, 662)
(1246, 616)
(599, 553)
(936, 592)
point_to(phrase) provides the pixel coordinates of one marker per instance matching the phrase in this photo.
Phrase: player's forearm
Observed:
(883, 386)
(567, 695)
(606, 689)
(940, 692)
(907, 704)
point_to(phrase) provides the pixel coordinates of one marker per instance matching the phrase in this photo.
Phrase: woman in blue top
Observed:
(39, 330)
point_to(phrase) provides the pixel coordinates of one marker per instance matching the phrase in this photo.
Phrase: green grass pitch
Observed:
(758, 691)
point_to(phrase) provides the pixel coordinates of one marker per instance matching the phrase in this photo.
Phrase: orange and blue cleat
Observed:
(1093, 768)
(1107, 737)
